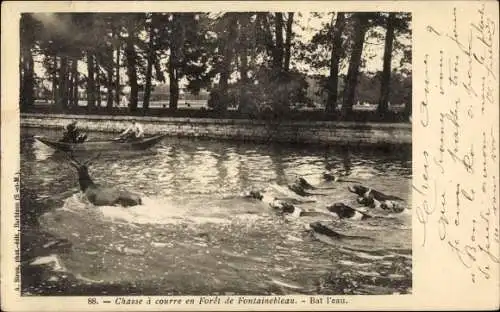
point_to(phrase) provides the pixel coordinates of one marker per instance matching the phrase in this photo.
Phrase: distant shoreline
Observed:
(285, 131)
(361, 114)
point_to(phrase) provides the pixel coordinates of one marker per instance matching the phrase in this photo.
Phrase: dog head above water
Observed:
(253, 194)
(358, 189)
(330, 177)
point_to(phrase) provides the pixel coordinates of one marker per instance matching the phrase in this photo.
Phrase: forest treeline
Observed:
(249, 60)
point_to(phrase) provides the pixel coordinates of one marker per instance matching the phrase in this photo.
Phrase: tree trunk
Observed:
(149, 69)
(263, 19)
(54, 80)
(98, 83)
(226, 63)
(109, 86)
(244, 68)
(278, 48)
(131, 56)
(117, 87)
(63, 83)
(288, 42)
(75, 78)
(352, 74)
(174, 84)
(28, 82)
(71, 85)
(90, 81)
(386, 72)
(333, 81)
(408, 108)
(243, 51)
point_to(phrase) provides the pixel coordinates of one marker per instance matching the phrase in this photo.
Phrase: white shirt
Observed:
(135, 128)
(124, 101)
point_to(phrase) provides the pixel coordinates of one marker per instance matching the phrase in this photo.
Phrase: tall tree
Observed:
(91, 86)
(386, 72)
(243, 47)
(228, 48)
(27, 27)
(133, 25)
(54, 78)
(288, 42)
(117, 39)
(397, 40)
(336, 54)
(75, 83)
(63, 83)
(108, 64)
(278, 46)
(150, 60)
(362, 22)
(177, 37)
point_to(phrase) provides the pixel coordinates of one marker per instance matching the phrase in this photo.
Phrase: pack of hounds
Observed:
(100, 195)
(368, 197)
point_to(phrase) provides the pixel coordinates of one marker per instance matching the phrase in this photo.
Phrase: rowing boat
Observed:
(104, 145)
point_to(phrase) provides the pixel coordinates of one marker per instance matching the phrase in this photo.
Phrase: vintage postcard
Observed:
(246, 155)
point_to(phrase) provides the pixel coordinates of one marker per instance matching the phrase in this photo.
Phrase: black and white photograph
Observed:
(233, 153)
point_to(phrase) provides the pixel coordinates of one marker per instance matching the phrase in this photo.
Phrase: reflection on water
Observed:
(192, 235)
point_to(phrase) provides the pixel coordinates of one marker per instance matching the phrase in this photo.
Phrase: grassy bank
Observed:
(316, 115)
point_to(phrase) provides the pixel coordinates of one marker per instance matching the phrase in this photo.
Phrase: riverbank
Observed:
(284, 131)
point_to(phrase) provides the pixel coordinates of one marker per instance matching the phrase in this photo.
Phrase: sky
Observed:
(372, 52)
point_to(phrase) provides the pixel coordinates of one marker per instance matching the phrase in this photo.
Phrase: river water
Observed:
(194, 235)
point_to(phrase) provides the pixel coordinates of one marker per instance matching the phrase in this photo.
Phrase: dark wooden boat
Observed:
(104, 145)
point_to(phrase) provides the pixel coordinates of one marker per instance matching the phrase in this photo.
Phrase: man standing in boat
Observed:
(133, 132)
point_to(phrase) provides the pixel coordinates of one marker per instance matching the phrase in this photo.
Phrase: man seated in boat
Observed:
(133, 132)
(72, 135)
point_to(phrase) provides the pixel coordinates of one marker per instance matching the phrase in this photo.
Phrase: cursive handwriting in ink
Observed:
(465, 255)
(493, 146)
(489, 254)
(483, 94)
(439, 162)
(485, 165)
(486, 30)
(453, 76)
(433, 30)
(468, 86)
(494, 198)
(473, 235)
(468, 195)
(480, 27)
(485, 270)
(467, 161)
(466, 214)
(424, 210)
(457, 219)
(489, 94)
(423, 105)
(454, 36)
(485, 216)
(453, 117)
(443, 219)
(441, 74)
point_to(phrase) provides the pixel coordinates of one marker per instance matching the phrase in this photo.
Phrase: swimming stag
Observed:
(101, 195)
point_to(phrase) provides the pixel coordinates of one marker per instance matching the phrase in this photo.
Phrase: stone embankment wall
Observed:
(309, 132)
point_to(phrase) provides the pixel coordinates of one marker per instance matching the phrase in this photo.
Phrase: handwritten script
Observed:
(456, 181)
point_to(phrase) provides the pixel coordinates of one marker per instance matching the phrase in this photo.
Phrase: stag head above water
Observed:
(101, 195)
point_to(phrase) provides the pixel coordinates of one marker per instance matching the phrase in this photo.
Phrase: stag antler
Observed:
(78, 164)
